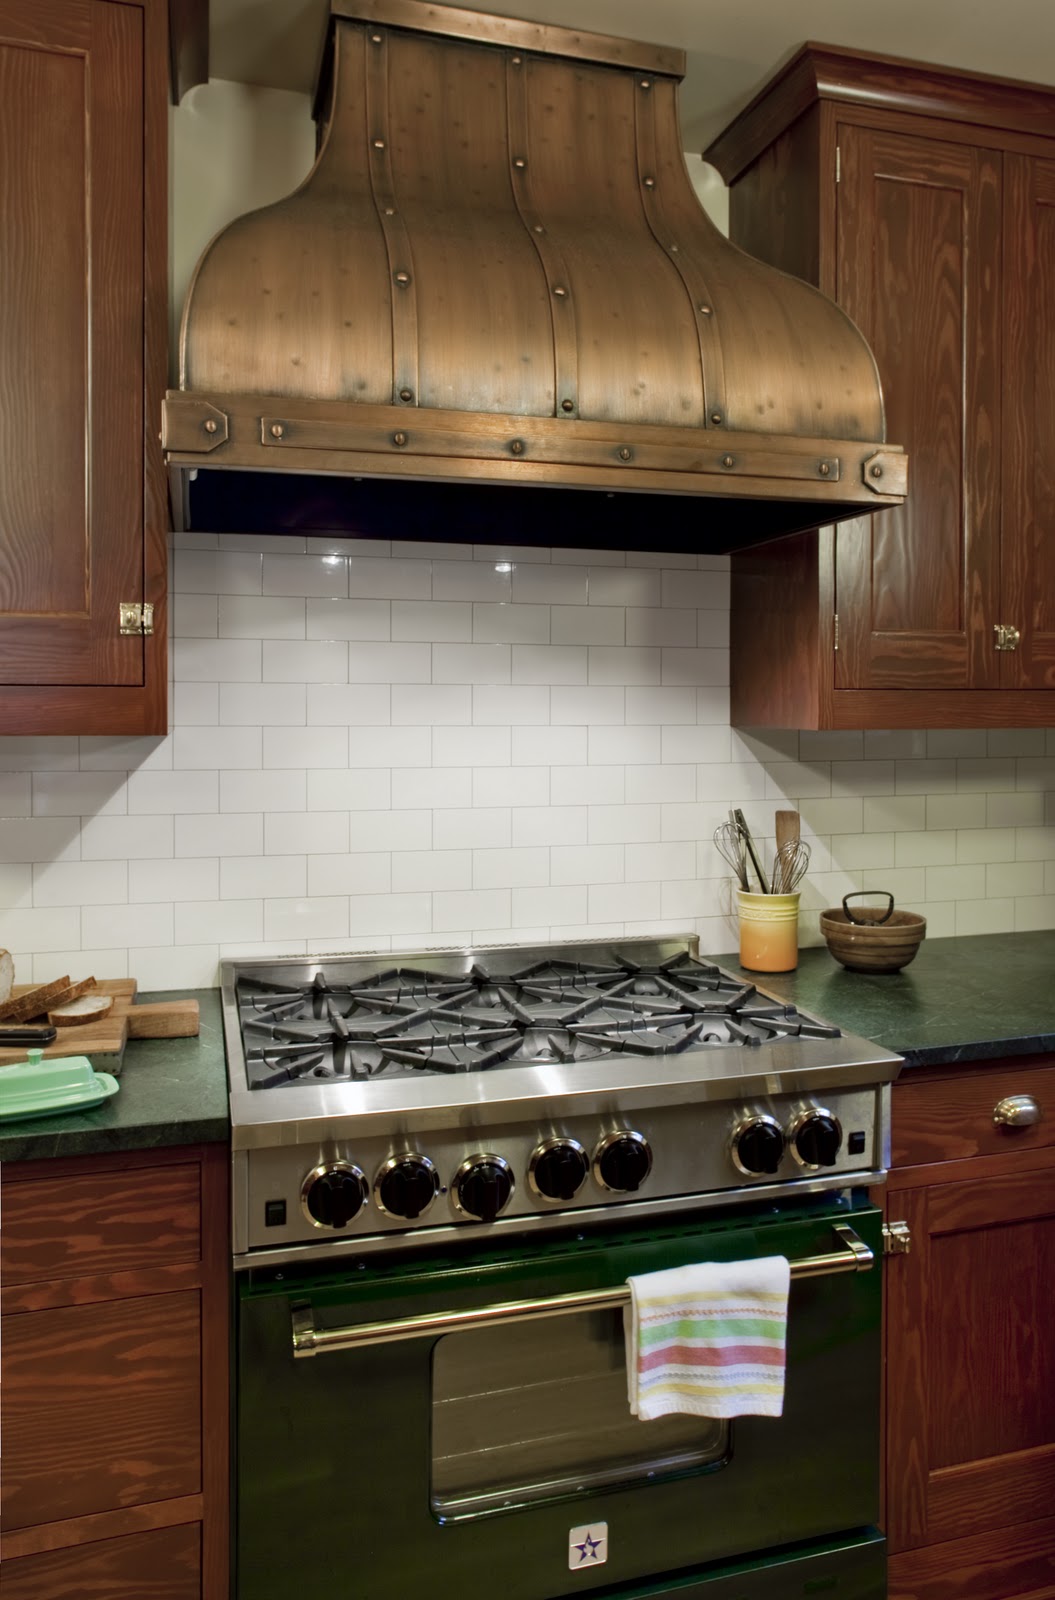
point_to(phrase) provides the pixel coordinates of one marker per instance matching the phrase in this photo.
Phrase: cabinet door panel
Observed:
(71, 340)
(1028, 601)
(163, 1565)
(918, 262)
(118, 1426)
(971, 1359)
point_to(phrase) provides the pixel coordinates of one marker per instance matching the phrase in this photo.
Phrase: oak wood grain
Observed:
(160, 1565)
(102, 1407)
(985, 1566)
(104, 1525)
(951, 1117)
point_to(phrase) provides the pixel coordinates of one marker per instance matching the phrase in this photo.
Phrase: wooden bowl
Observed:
(872, 939)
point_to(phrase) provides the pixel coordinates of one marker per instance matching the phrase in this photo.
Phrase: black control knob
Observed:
(758, 1147)
(333, 1196)
(483, 1186)
(406, 1186)
(622, 1162)
(817, 1139)
(558, 1169)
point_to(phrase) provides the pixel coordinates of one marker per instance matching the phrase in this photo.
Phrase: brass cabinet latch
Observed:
(897, 1241)
(135, 618)
(836, 630)
(1007, 638)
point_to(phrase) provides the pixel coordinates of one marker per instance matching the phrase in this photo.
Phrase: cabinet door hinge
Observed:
(838, 163)
(136, 618)
(835, 619)
(1007, 638)
(897, 1240)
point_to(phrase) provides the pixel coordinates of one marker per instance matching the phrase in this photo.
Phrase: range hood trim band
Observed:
(253, 431)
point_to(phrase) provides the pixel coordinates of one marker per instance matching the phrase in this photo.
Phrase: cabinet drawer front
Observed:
(101, 1407)
(101, 1223)
(950, 1119)
(162, 1565)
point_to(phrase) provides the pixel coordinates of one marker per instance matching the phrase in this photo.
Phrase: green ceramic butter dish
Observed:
(39, 1088)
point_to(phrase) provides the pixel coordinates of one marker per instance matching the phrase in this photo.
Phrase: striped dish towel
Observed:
(708, 1339)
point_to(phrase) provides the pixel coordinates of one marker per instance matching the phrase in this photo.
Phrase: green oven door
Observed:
(505, 1453)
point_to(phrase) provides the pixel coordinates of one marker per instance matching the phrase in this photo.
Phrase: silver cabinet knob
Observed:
(1016, 1111)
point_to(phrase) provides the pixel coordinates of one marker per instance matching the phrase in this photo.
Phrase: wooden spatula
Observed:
(788, 827)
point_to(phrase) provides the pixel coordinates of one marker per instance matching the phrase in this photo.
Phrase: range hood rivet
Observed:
(824, 469)
(877, 471)
(399, 439)
(650, 183)
(402, 278)
(560, 291)
(567, 405)
(625, 453)
(517, 447)
(209, 425)
(705, 311)
(390, 211)
(277, 430)
(406, 394)
(515, 60)
(539, 228)
(379, 144)
(646, 83)
(728, 461)
(518, 161)
(375, 38)
(716, 417)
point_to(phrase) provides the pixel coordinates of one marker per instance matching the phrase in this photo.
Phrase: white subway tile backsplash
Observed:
(231, 834)
(250, 791)
(50, 965)
(660, 625)
(587, 863)
(324, 917)
(502, 623)
(510, 705)
(217, 661)
(261, 877)
(314, 661)
(16, 884)
(471, 663)
(586, 625)
(362, 872)
(317, 575)
(63, 794)
(254, 617)
(129, 925)
(80, 883)
(512, 786)
(445, 621)
(431, 869)
(589, 785)
(419, 745)
(348, 619)
(197, 921)
(394, 578)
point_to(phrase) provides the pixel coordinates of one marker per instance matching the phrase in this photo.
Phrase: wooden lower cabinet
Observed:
(970, 1338)
(114, 1396)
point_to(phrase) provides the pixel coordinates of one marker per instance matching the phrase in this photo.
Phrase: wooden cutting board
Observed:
(106, 1037)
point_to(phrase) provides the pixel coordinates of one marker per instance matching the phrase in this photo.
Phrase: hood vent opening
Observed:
(498, 274)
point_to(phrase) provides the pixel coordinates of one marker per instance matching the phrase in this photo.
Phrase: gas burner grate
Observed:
(409, 1021)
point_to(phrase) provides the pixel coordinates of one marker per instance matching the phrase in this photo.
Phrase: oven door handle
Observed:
(853, 1255)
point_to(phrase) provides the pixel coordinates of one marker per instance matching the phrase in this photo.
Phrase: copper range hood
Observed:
(498, 273)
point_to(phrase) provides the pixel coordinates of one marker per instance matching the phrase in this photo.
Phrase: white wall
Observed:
(402, 745)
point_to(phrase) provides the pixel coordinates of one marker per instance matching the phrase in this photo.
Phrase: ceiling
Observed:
(732, 47)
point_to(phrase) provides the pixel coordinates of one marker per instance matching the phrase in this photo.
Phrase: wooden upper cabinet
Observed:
(83, 197)
(924, 202)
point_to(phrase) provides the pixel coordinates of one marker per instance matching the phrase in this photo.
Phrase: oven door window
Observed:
(537, 1411)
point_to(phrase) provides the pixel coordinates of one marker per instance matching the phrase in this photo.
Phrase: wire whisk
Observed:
(731, 845)
(789, 866)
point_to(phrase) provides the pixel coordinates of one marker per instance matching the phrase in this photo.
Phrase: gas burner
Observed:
(407, 1022)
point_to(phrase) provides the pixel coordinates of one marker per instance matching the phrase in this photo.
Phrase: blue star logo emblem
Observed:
(589, 1548)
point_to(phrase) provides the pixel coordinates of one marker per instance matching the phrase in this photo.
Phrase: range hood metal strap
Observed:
(852, 1256)
(402, 287)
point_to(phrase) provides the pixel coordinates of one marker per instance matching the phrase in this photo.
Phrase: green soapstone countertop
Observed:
(172, 1091)
(972, 999)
